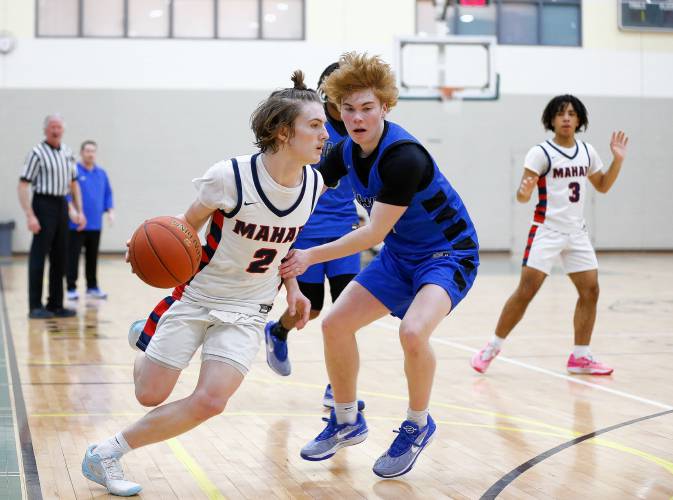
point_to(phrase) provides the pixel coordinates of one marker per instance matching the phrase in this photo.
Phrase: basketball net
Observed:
(446, 93)
(450, 103)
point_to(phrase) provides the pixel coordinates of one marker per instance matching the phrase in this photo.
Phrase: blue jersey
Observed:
(335, 213)
(435, 221)
(96, 196)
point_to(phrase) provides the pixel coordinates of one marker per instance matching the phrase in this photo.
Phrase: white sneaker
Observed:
(107, 471)
(135, 330)
(72, 295)
(96, 293)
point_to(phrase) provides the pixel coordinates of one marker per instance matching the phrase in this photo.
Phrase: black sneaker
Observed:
(62, 312)
(40, 313)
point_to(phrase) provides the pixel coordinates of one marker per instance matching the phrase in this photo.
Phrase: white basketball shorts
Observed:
(545, 245)
(232, 337)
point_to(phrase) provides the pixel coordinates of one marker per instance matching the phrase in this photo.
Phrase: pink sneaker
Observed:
(588, 366)
(483, 358)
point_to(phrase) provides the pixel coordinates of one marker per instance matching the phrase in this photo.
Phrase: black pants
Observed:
(90, 240)
(52, 240)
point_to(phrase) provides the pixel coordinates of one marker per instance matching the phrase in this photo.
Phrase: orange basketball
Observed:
(165, 252)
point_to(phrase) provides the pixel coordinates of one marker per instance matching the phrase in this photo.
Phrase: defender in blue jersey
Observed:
(428, 263)
(334, 216)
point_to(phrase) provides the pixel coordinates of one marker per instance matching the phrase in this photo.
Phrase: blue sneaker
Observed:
(328, 399)
(335, 436)
(276, 352)
(407, 446)
(107, 471)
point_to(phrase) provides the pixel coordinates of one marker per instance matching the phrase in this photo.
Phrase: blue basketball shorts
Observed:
(317, 272)
(395, 280)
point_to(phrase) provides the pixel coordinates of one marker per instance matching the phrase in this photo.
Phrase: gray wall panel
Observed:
(153, 143)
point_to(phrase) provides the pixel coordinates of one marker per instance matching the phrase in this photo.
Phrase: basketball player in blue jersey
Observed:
(334, 216)
(427, 265)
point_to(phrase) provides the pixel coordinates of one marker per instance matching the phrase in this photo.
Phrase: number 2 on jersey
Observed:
(574, 192)
(263, 259)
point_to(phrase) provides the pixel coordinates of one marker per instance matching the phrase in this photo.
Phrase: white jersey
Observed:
(255, 222)
(562, 183)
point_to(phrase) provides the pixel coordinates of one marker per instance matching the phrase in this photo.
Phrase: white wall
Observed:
(163, 110)
(610, 63)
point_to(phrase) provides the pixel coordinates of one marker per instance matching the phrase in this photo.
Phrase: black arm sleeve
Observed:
(404, 170)
(332, 166)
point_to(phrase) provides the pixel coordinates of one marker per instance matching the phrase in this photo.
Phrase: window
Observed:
(560, 25)
(58, 17)
(238, 19)
(206, 19)
(282, 19)
(516, 22)
(149, 18)
(193, 18)
(103, 18)
(650, 15)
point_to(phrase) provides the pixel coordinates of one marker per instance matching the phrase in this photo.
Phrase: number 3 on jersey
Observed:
(574, 192)
(263, 259)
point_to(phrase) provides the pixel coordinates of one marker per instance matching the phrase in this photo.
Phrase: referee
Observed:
(50, 169)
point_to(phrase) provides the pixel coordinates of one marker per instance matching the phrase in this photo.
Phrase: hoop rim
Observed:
(446, 93)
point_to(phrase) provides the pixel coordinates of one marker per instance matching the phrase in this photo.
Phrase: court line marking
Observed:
(563, 432)
(521, 364)
(201, 478)
(554, 432)
(508, 478)
(25, 454)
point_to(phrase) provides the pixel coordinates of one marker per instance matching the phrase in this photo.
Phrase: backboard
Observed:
(446, 67)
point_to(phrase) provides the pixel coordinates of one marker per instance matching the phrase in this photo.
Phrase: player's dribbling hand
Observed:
(618, 143)
(294, 264)
(126, 255)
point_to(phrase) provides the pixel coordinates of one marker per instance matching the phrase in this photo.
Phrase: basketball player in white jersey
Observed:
(256, 205)
(560, 168)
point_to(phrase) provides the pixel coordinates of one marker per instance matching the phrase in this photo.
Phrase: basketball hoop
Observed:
(446, 93)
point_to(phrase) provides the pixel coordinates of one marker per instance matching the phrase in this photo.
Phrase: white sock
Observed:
(346, 413)
(581, 351)
(497, 342)
(113, 446)
(420, 418)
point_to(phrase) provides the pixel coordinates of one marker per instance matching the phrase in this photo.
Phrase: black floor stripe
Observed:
(33, 489)
(505, 481)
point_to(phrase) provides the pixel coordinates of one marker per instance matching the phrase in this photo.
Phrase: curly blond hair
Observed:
(360, 72)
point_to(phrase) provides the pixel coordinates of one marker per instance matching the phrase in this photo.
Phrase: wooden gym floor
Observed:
(524, 430)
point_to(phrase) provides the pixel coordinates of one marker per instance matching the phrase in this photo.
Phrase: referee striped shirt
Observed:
(50, 170)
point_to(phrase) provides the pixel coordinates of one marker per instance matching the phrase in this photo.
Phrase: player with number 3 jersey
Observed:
(559, 168)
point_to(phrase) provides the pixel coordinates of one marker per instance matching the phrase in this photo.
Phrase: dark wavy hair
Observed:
(558, 104)
(279, 110)
(326, 72)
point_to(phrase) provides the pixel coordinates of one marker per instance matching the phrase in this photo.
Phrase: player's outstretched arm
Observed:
(382, 219)
(603, 181)
(528, 183)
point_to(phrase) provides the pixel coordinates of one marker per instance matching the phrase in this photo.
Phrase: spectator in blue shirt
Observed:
(96, 200)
